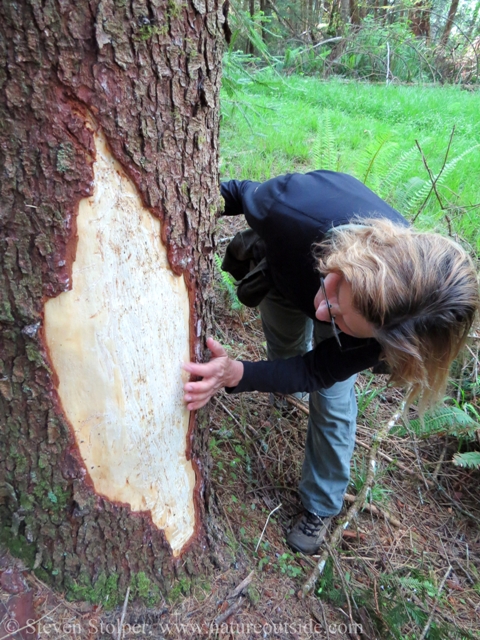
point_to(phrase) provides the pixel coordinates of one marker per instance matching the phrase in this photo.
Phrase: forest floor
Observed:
(408, 567)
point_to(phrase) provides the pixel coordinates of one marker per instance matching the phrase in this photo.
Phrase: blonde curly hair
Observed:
(419, 290)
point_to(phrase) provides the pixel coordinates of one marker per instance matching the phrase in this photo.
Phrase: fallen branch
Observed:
(376, 511)
(432, 484)
(302, 407)
(241, 587)
(354, 509)
(298, 404)
(219, 620)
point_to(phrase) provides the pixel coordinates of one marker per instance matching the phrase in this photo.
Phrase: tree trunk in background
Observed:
(449, 24)
(420, 19)
(287, 24)
(251, 10)
(355, 17)
(109, 185)
(344, 11)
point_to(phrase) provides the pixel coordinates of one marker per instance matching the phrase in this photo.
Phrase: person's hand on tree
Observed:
(220, 372)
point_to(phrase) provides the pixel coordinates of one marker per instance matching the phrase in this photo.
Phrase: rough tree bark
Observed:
(109, 185)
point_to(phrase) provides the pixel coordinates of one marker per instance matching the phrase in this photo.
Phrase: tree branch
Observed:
(432, 179)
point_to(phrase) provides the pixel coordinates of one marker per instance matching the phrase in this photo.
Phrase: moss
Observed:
(27, 501)
(65, 157)
(43, 461)
(42, 574)
(253, 594)
(182, 587)
(34, 355)
(174, 9)
(221, 207)
(143, 588)
(6, 312)
(59, 497)
(44, 245)
(104, 591)
(17, 545)
(202, 590)
(147, 31)
(53, 499)
(21, 466)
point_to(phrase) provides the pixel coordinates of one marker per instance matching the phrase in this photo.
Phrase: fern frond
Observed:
(371, 155)
(227, 283)
(418, 198)
(416, 585)
(325, 152)
(450, 420)
(469, 460)
(389, 183)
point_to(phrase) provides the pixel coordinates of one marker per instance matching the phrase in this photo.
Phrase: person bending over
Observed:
(346, 269)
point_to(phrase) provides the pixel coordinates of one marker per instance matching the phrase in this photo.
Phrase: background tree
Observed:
(424, 41)
(109, 129)
(452, 12)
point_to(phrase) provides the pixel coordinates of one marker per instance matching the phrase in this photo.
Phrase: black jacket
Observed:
(291, 213)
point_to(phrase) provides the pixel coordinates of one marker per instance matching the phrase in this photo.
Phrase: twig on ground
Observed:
(439, 463)
(237, 422)
(354, 509)
(124, 611)
(432, 612)
(263, 530)
(298, 404)
(228, 612)
(344, 586)
(371, 508)
(399, 464)
(234, 537)
(325, 620)
(241, 587)
(302, 407)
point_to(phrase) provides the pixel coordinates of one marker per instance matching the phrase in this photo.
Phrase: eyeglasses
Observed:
(329, 306)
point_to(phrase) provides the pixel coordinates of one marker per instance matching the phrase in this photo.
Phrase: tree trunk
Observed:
(355, 17)
(251, 10)
(264, 8)
(449, 24)
(345, 11)
(420, 19)
(109, 126)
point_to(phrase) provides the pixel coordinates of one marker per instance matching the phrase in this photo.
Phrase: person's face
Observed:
(347, 319)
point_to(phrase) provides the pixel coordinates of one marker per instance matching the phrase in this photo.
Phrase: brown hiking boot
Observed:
(308, 533)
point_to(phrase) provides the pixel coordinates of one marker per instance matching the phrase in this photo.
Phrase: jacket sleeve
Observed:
(318, 369)
(234, 193)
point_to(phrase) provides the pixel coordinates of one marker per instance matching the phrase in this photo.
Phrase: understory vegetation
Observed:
(434, 41)
(406, 569)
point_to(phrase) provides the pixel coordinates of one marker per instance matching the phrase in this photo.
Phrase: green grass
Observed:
(273, 127)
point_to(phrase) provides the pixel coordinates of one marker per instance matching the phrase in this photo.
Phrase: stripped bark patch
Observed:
(116, 341)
